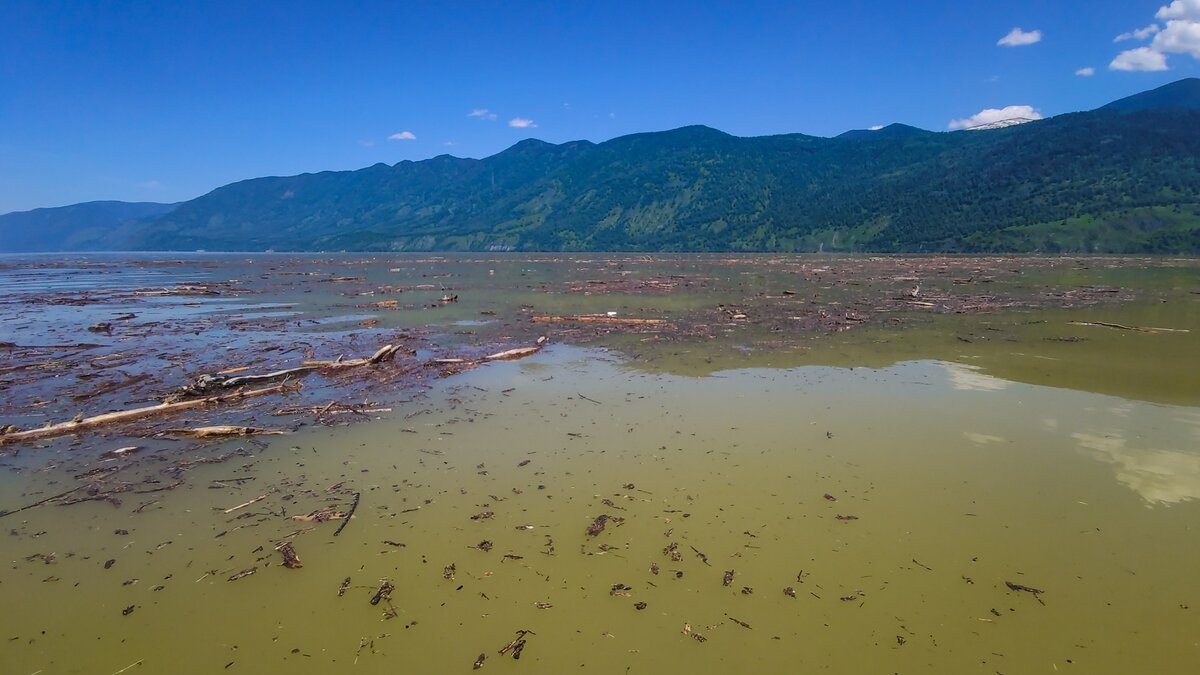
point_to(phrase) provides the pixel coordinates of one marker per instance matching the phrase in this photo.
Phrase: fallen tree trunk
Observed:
(85, 423)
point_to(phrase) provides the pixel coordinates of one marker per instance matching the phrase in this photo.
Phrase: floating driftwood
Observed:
(85, 423)
(290, 559)
(243, 574)
(506, 355)
(349, 514)
(591, 318)
(42, 501)
(384, 592)
(208, 384)
(245, 504)
(1139, 329)
(384, 353)
(518, 353)
(224, 430)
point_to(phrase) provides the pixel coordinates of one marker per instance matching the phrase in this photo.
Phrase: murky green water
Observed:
(962, 453)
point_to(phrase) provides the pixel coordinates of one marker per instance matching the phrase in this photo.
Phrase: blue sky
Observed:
(145, 101)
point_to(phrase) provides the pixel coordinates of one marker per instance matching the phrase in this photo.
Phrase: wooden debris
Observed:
(384, 592)
(245, 504)
(518, 353)
(206, 385)
(479, 662)
(385, 353)
(1139, 329)
(591, 318)
(244, 573)
(320, 515)
(345, 585)
(349, 514)
(290, 559)
(597, 525)
(40, 502)
(728, 579)
(1035, 592)
(83, 424)
(224, 430)
(516, 644)
(739, 622)
(119, 452)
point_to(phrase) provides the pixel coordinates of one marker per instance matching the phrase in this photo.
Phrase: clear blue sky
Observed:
(164, 101)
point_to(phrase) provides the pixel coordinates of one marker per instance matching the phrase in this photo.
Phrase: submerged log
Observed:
(85, 423)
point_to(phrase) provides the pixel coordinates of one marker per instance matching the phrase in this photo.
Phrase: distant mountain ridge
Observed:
(1178, 95)
(1122, 178)
(895, 130)
(89, 226)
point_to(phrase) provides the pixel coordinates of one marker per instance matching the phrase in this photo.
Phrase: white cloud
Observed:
(482, 113)
(1180, 9)
(522, 123)
(403, 136)
(1139, 34)
(1181, 35)
(1086, 72)
(877, 127)
(151, 185)
(1019, 38)
(1140, 59)
(1013, 114)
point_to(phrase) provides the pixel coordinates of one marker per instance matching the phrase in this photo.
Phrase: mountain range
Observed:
(1122, 178)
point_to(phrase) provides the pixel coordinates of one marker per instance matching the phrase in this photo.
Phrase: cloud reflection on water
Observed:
(1159, 476)
(971, 378)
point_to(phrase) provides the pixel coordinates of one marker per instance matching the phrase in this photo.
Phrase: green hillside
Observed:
(1124, 178)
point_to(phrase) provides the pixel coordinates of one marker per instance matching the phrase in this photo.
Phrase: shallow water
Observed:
(966, 463)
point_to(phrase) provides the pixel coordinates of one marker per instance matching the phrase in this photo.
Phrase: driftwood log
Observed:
(222, 431)
(506, 355)
(83, 424)
(208, 384)
(590, 318)
(385, 353)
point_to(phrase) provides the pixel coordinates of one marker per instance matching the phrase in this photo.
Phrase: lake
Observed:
(717, 464)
